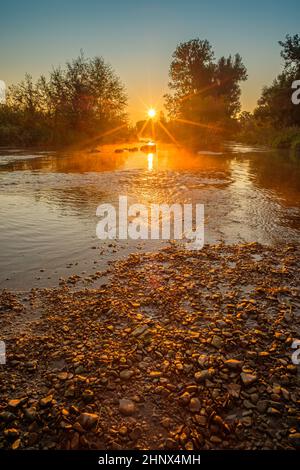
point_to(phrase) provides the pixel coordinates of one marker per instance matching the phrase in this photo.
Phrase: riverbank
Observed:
(177, 350)
(285, 139)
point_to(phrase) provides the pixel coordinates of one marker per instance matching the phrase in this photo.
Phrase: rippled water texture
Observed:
(49, 200)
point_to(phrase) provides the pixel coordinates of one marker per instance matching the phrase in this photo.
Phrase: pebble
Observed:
(63, 376)
(88, 420)
(135, 434)
(195, 405)
(46, 401)
(16, 403)
(248, 379)
(139, 330)
(295, 439)
(126, 407)
(233, 364)
(16, 444)
(30, 414)
(202, 375)
(217, 342)
(11, 433)
(126, 374)
(7, 416)
(88, 396)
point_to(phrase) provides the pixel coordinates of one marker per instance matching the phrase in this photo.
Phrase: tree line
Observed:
(85, 100)
(81, 101)
(276, 119)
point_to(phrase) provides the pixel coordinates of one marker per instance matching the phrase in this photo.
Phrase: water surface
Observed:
(49, 200)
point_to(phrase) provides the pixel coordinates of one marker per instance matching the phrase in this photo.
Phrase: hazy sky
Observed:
(138, 38)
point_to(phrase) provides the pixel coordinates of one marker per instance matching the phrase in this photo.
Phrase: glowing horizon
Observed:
(140, 45)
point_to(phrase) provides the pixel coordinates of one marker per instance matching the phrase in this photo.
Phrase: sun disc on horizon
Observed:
(151, 113)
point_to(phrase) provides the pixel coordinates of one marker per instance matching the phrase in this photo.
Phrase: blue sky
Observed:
(138, 38)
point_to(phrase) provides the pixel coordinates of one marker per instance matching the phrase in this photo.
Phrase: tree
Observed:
(275, 106)
(201, 88)
(80, 101)
(229, 73)
(291, 53)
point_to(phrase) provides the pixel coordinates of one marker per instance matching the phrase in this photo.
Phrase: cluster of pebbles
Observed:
(178, 350)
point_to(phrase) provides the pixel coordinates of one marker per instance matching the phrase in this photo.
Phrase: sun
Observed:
(151, 113)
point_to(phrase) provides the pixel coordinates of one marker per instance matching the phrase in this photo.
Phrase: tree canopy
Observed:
(79, 101)
(275, 106)
(198, 82)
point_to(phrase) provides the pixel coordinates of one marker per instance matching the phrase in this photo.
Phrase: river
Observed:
(49, 201)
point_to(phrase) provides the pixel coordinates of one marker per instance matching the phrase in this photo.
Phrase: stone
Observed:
(16, 403)
(7, 416)
(202, 359)
(201, 420)
(248, 379)
(46, 401)
(70, 392)
(294, 439)
(234, 390)
(262, 405)
(11, 433)
(126, 407)
(126, 374)
(233, 364)
(246, 421)
(184, 399)
(123, 430)
(166, 422)
(16, 444)
(74, 443)
(63, 376)
(273, 411)
(195, 405)
(135, 434)
(88, 420)
(247, 404)
(217, 342)
(30, 413)
(140, 330)
(88, 396)
(202, 375)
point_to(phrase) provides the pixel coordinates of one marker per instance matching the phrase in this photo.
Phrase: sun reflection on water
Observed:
(150, 161)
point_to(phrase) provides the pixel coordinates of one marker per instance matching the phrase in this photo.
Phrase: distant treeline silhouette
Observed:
(85, 102)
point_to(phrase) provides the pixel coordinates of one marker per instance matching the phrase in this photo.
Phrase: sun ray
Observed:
(89, 142)
(143, 128)
(169, 134)
(207, 88)
(199, 124)
(112, 131)
(153, 129)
